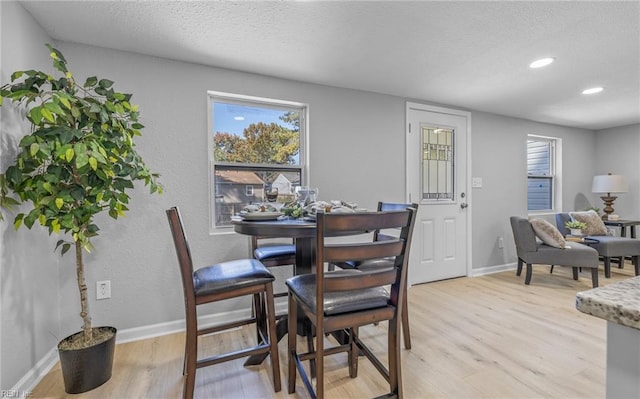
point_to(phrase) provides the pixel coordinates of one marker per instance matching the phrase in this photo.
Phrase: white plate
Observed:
(261, 215)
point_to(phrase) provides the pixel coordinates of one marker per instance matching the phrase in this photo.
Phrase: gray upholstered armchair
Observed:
(608, 247)
(531, 252)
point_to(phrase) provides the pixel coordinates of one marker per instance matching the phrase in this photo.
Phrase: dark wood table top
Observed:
(295, 228)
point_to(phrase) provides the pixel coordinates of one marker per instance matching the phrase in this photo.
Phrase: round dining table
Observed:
(302, 230)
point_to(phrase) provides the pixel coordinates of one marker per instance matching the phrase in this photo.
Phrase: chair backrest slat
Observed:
(331, 225)
(359, 281)
(363, 251)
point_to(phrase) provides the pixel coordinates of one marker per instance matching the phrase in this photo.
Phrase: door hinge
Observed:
(409, 127)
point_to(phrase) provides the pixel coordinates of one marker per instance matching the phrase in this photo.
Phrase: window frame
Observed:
(555, 173)
(263, 102)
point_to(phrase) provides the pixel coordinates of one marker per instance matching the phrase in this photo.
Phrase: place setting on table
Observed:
(295, 219)
(304, 207)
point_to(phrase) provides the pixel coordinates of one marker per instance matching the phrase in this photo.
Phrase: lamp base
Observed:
(608, 206)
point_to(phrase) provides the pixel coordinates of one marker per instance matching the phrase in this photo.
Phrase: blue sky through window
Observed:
(232, 118)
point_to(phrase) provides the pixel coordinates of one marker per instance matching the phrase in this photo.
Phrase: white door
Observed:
(437, 162)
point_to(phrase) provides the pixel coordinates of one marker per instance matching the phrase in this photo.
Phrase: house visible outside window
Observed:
(543, 170)
(255, 145)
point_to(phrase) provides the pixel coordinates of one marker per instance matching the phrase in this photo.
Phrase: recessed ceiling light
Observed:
(541, 62)
(592, 90)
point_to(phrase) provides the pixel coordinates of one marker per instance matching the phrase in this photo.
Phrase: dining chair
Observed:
(273, 254)
(341, 301)
(218, 282)
(384, 263)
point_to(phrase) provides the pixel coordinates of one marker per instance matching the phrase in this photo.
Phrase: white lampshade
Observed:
(609, 184)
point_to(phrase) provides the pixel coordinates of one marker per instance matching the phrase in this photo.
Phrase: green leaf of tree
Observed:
(47, 115)
(90, 82)
(33, 149)
(105, 83)
(69, 154)
(35, 115)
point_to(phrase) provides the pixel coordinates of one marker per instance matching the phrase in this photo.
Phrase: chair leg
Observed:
(308, 333)
(273, 338)
(607, 267)
(395, 375)
(519, 270)
(527, 278)
(405, 320)
(575, 273)
(594, 277)
(319, 358)
(292, 336)
(353, 352)
(186, 356)
(551, 270)
(636, 264)
(261, 319)
(191, 357)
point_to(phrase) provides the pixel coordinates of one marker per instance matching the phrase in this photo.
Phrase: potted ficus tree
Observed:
(78, 161)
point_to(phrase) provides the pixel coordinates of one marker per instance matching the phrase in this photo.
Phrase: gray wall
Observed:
(499, 146)
(29, 302)
(357, 153)
(618, 152)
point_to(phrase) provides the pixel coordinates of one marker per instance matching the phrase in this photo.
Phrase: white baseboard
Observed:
(29, 381)
(492, 269)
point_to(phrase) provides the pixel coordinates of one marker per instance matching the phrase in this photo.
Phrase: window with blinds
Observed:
(540, 173)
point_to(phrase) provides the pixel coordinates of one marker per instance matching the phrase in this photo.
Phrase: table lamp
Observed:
(609, 184)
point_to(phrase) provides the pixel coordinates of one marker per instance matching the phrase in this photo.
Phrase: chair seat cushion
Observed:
(274, 251)
(573, 254)
(228, 276)
(616, 246)
(304, 287)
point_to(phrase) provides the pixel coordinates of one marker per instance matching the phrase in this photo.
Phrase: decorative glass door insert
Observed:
(437, 163)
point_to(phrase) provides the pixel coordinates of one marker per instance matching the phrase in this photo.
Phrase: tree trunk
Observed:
(82, 287)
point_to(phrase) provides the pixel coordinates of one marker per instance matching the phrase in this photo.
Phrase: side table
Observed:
(623, 224)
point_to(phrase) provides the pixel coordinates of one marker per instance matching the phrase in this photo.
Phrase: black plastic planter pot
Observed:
(87, 368)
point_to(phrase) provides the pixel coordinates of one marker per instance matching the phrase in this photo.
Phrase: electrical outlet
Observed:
(500, 242)
(103, 289)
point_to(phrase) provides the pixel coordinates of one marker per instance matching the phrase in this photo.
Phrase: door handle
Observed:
(464, 205)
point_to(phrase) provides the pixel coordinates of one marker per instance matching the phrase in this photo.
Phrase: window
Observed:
(256, 145)
(542, 173)
(437, 163)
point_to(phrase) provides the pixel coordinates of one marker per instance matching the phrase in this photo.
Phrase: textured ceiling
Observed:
(473, 54)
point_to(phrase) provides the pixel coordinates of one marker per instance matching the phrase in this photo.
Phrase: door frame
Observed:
(450, 111)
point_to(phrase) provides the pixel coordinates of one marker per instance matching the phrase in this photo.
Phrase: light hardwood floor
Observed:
(479, 337)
